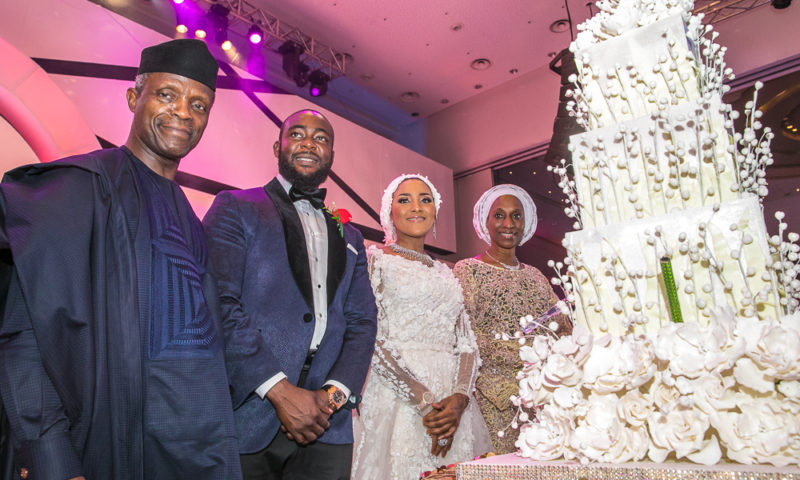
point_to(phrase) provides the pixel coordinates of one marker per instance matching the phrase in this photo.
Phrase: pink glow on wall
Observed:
(37, 109)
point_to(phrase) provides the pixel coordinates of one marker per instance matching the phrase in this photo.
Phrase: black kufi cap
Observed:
(186, 57)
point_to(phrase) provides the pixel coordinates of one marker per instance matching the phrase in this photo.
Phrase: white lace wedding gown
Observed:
(424, 344)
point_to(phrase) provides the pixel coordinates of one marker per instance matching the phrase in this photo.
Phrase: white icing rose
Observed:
(679, 344)
(621, 21)
(791, 391)
(560, 370)
(714, 392)
(693, 350)
(778, 349)
(599, 372)
(681, 430)
(663, 391)
(637, 360)
(762, 433)
(601, 436)
(635, 407)
(622, 363)
(530, 356)
(578, 346)
(531, 390)
(537, 352)
(749, 374)
(547, 438)
(637, 443)
(568, 397)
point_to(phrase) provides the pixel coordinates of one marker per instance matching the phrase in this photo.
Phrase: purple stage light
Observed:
(255, 35)
(319, 83)
(177, 2)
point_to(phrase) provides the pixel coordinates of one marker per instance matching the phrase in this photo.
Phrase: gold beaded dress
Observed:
(495, 299)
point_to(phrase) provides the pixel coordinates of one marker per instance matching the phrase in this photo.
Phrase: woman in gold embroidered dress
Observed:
(498, 290)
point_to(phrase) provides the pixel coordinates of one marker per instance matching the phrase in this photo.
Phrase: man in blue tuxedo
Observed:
(298, 312)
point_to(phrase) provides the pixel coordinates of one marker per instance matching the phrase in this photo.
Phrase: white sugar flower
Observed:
(602, 436)
(560, 370)
(683, 431)
(546, 439)
(693, 350)
(635, 407)
(532, 391)
(749, 374)
(762, 433)
(663, 392)
(621, 363)
(568, 397)
(713, 392)
(778, 350)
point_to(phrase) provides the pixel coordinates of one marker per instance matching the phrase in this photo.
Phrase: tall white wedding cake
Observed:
(687, 326)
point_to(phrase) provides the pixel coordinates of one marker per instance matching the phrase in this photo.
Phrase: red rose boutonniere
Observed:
(340, 216)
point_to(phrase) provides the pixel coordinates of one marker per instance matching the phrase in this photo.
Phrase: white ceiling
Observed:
(426, 46)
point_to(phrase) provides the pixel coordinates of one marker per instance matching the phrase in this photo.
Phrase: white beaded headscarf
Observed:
(390, 236)
(484, 205)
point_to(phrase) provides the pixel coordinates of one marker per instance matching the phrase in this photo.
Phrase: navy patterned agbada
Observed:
(109, 279)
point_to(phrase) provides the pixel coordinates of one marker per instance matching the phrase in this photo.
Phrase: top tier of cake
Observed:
(659, 138)
(638, 73)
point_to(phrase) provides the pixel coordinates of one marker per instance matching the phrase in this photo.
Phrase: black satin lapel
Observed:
(337, 257)
(295, 240)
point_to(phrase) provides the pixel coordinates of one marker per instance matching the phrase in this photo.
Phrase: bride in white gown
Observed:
(416, 412)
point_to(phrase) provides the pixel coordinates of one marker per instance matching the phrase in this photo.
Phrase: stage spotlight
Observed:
(319, 83)
(781, 4)
(294, 68)
(177, 2)
(226, 45)
(200, 33)
(218, 17)
(255, 35)
(182, 28)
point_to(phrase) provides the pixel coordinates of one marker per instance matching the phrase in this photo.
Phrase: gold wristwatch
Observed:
(336, 397)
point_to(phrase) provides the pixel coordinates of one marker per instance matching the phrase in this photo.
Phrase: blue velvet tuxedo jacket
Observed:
(259, 257)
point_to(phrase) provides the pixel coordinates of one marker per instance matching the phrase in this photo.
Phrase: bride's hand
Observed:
(441, 449)
(443, 421)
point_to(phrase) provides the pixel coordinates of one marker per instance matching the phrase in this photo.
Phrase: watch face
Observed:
(337, 397)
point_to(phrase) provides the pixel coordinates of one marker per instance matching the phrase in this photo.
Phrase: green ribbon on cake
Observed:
(671, 291)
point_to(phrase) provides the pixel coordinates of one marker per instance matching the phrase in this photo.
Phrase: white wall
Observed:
(498, 122)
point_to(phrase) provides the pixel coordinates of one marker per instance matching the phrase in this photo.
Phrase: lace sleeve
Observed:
(387, 363)
(468, 358)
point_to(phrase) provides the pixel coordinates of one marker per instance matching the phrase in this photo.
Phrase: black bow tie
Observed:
(315, 197)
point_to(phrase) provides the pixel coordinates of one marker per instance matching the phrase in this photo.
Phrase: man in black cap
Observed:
(111, 362)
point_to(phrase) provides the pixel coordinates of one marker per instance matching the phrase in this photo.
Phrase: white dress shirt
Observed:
(315, 232)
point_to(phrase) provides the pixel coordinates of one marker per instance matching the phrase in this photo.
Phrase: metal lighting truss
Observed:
(716, 11)
(277, 31)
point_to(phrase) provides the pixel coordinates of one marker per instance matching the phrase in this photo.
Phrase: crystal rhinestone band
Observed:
(519, 469)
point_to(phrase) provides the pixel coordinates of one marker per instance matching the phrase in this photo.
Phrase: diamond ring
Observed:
(443, 442)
